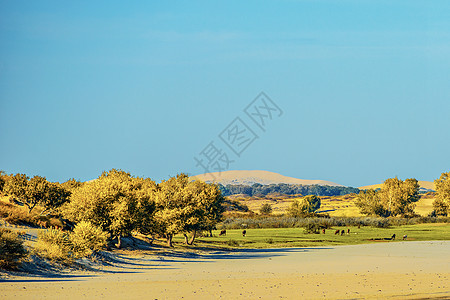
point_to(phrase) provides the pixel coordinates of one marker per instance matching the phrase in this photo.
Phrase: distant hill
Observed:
(424, 186)
(251, 177)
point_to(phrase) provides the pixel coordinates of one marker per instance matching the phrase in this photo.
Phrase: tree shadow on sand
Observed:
(184, 256)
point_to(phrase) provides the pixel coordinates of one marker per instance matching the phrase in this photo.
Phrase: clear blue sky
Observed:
(145, 86)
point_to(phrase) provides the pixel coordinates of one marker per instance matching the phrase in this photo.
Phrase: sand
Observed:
(249, 177)
(429, 185)
(402, 270)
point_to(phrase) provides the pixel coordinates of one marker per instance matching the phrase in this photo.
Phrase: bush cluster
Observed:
(62, 246)
(54, 244)
(323, 222)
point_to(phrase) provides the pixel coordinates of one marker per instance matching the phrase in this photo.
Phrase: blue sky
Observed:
(364, 87)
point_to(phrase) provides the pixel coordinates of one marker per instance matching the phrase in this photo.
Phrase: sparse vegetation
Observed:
(19, 215)
(12, 251)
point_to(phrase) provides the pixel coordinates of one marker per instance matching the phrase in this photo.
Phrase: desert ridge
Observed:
(249, 177)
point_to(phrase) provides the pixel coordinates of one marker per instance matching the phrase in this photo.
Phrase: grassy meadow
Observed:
(296, 237)
(335, 206)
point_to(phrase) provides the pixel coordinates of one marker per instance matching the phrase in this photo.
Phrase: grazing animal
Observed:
(405, 237)
(223, 232)
(323, 231)
(336, 232)
(393, 237)
(342, 232)
(348, 231)
(244, 232)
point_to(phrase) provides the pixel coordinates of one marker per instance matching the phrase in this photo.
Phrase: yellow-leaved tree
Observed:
(184, 206)
(441, 204)
(395, 197)
(117, 202)
(304, 206)
(399, 197)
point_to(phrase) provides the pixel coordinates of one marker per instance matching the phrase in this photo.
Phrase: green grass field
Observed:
(296, 237)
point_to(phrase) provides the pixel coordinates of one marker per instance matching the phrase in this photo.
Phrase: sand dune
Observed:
(402, 270)
(251, 177)
(429, 185)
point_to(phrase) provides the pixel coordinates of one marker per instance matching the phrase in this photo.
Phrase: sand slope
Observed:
(429, 185)
(251, 177)
(403, 270)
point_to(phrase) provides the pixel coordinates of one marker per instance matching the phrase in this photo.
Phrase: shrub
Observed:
(15, 214)
(440, 208)
(54, 244)
(323, 222)
(312, 228)
(12, 251)
(266, 209)
(87, 239)
(233, 243)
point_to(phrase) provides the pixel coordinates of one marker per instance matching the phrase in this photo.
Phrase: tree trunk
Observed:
(186, 238)
(192, 238)
(45, 210)
(30, 207)
(119, 242)
(210, 233)
(169, 240)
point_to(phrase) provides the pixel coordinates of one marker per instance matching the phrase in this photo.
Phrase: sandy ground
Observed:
(401, 270)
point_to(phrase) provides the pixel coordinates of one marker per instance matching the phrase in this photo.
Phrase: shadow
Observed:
(45, 271)
(174, 256)
(29, 237)
(56, 279)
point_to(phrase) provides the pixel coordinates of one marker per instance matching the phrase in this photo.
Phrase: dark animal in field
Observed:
(393, 237)
(348, 231)
(405, 237)
(223, 232)
(336, 232)
(244, 232)
(323, 231)
(342, 232)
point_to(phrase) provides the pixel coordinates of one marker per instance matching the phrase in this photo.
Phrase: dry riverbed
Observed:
(399, 270)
